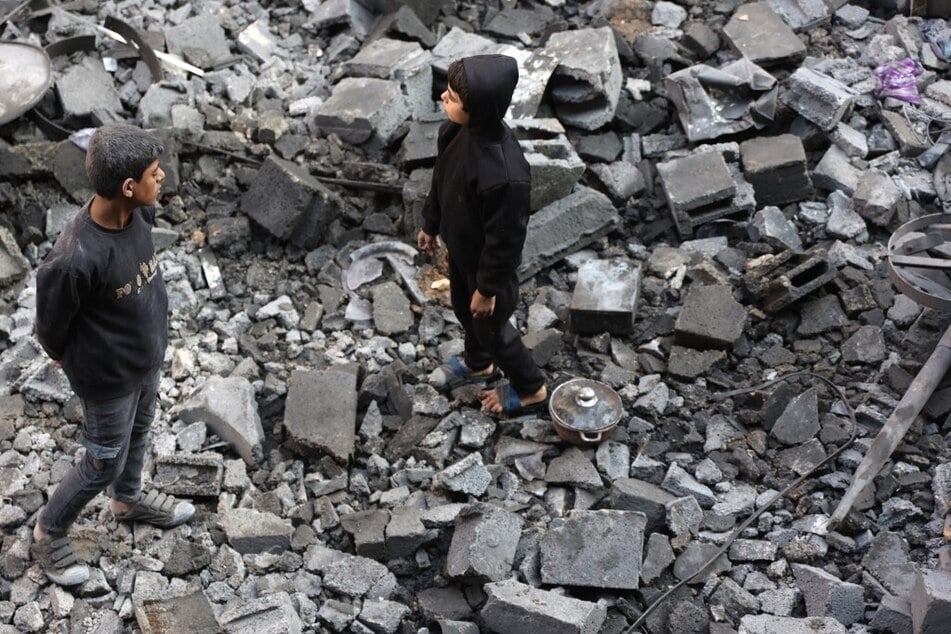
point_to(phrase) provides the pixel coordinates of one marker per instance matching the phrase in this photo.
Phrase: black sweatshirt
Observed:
(479, 202)
(101, 306)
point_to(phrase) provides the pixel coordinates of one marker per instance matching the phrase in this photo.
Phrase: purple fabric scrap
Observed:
(897, 80)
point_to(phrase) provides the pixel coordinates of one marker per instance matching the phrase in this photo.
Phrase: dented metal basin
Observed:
(25, 76)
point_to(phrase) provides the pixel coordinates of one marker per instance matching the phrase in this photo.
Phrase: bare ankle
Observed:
(39, 535)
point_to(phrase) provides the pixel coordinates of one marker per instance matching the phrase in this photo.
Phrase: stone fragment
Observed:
(565, 226)
(200, 40)
(637, 495)
(688, 363)
(555, 169)
(877, 198)
(710, 318)
(818, 97)
(290, 203)
(401, 61)
(696, 554)
(270, 614)
(615, 539)
(893, 615)
(392, 314)
(766, 624)
(679, 482)
(931, 601)
(189, 474)
(620, 179)
(850, 140)
(13, 266)
(405, 532)
(772, 226)
(605, 297)
(383, 616)
(852, 15)
(734, 600)
(86, 89)
(315, 423)
(827, 595)
(468, 476)
(352, 13)
(800, 420)
(515, 608)
(865, 346)
(835, 172)
(586, 84)
(910, 141)
(684, 516)
(360, 107)
(405, 23)
(484, 542)
(369, 531)
(250, 531)
(573, 468)
(257, 40)
(743, 550)
(820, 315)
(888, 562)
(189, 612)
(659, 555)
(359, 577)
(761, 36)
(776, 168)
(801, 14)
(228, 407)
(696, 186)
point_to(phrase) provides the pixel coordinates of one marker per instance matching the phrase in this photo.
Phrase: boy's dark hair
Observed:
(116, 152)
(458, 82)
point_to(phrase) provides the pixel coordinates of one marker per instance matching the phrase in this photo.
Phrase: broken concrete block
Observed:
(768, 624)
(200, 40)
(605, 297)
(801, 14)
(419, 144)
(799, 421)
(688, 363)
(555, 168)
(457, 44)
(405, 532)
(629, 494)
(762, 37)
(335, 12)
(368, 529)
(484, 542)
(383, 616)
(893, 615)
(270, 614)
(710, 318)
(534, 73)
(782, 279)
(931, 601)
(392, 314)
(290, 203)
(360, 107)
(189, 474)
(679, 482)
(827, 595)
(586, 85)
(257, 40)
(700, 40)
(573, 468)
(228, 407)
(190, 612)
(688, 564)
(565, 226)
(250, 531)
(615, 539)
(13, 266)
(818, 97)
(771, 225)
(910, 141)
(515, 608)
(776, 168)
(852, 141)
(406, 25)
(405, 62)
(468, 476)
(835, 172)
(699, 188)
(86, 89)
(620, 179)
(315, 423)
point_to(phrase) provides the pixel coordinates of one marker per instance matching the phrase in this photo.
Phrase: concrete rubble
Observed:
(714, 186)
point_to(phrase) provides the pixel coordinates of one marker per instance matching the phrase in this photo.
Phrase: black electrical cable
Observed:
(742, 527)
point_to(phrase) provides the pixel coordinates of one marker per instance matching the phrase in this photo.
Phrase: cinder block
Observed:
(605, 297)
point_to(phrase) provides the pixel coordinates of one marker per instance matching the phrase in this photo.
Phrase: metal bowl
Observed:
(25, 76)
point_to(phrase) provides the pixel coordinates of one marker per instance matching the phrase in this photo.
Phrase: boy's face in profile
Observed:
(145, 191)
(452, 104)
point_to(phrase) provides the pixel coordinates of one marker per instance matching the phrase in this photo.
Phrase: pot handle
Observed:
(585, 437)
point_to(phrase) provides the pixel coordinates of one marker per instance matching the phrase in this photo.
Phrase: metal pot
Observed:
(584, 411)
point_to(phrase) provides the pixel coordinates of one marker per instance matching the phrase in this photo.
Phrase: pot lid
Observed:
(25, 76)
(585, 405)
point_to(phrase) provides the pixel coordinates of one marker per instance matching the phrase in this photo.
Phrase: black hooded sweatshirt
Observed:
(479, 202)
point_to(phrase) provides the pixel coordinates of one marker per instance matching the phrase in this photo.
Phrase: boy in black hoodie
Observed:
(101, 315)
(479, 205)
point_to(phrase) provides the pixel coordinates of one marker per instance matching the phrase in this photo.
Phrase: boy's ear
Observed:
(127, 190)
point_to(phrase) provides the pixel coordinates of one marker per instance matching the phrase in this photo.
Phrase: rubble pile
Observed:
(714, 185)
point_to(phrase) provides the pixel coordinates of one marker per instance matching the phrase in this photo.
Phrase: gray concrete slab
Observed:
(316, 424)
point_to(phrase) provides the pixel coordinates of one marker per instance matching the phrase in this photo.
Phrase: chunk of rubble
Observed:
(359, 577)
(468, 476)
(586, 85)
(566, 226)
(194, 475)
(513, 608)
(361, 107)
(191, 612)
(877, 198)
(801, 15)
(318, 424)
(228, 407)
(605, 297)
(630, 494)
(555, 169)
(484, 543)
(768, 624)
(827, 595)
(615, 539)
(270, 613)
(835, 172)
(86, 89)
(13, 266)
(257, 40)
(405, 62)
(771, 225)
(250, 531)
(818, 97)
(710, 317)
(931, 601)
(199, 40)
(290, 203)
(341, 12)
(761, 36)
(620, 179)
(776, 168)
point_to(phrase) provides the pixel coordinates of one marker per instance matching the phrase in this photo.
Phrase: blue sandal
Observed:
(453, 374)
(512, 404)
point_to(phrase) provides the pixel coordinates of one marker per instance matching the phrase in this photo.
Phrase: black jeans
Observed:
(494, 339)
(115, 434)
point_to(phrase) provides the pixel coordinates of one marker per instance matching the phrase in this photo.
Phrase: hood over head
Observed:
(490, 80)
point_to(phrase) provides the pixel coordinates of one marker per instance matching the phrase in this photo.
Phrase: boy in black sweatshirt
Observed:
(101, 315)
(479, 205)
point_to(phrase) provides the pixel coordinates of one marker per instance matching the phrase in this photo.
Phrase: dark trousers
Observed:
(115, 433)
(494, 339)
